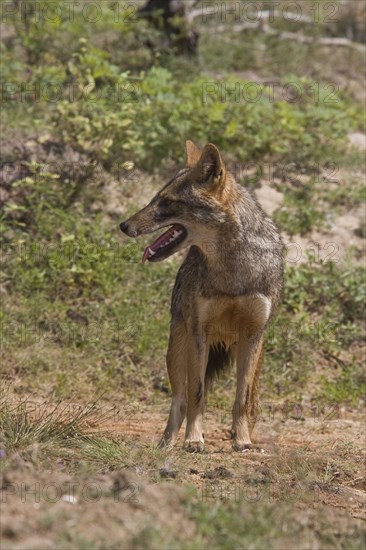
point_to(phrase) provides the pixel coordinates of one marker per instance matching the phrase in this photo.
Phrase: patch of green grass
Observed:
(346, 194)
(258, 524)
(89, 300)
(349, 386)
(299, 213)
(321, 314)
(311, 202)
(78, 289)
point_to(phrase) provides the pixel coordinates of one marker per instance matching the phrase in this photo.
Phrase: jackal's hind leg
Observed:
(177, 370)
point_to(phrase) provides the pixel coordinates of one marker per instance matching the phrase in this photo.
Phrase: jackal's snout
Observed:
(126, 228)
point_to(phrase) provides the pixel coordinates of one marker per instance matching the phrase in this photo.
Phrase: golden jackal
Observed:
(226, 290)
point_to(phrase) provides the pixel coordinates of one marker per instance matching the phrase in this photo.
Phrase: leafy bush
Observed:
(99, 107)
(153, 115)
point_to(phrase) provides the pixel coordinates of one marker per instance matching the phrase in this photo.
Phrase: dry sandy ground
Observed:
(283, 437)
(312, 461)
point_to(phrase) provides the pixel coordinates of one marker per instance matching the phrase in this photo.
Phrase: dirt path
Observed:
(307, 459)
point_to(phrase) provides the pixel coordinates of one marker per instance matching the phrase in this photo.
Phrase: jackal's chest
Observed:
(228, 319)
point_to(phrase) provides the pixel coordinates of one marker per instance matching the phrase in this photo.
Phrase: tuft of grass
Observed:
(55, 429)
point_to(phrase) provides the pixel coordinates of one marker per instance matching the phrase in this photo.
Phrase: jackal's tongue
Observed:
(164, 239)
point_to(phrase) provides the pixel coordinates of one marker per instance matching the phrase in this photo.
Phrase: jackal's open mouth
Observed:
(165, 244)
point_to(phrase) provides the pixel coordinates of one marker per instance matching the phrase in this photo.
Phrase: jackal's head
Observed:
(192, 204)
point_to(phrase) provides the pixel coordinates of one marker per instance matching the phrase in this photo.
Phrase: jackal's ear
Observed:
(193, 153)
(211, 166)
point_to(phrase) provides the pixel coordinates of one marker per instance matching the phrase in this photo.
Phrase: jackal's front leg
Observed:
(177, 360)
(249, 356)
(197, 364)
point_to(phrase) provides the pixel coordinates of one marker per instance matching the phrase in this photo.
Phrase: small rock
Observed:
(218, 473)
(77, 317)
(69, 498)
(168, 474)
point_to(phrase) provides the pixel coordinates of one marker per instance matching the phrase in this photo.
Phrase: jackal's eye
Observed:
(164, 203)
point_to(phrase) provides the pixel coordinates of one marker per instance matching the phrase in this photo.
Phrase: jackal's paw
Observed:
(244, 447)
(240, 443)
(194, 446)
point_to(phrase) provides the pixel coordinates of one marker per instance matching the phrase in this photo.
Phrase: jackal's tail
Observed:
(219, 358)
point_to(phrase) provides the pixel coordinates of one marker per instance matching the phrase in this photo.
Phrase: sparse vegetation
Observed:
(94, 118)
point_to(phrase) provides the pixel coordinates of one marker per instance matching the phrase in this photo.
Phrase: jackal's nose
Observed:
(123, 227)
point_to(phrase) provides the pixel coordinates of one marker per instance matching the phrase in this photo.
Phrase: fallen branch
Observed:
(298, 37)
(337, 41)
(261, 23)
